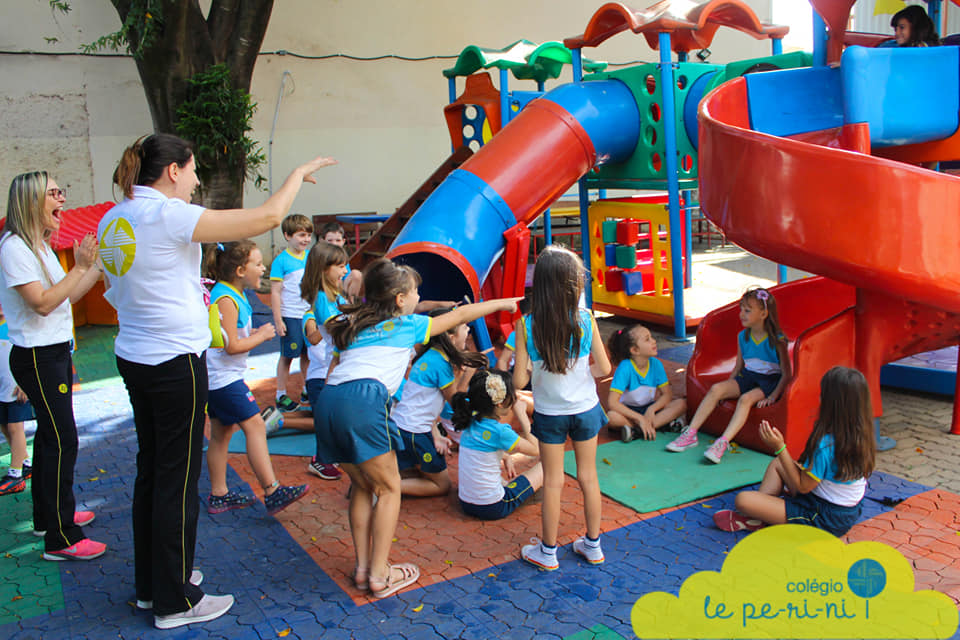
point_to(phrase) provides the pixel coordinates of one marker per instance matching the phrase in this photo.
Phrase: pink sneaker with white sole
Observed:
(86, 549)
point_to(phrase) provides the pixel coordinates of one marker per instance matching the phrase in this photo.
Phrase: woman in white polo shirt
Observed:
(36, 294)
(150, 247)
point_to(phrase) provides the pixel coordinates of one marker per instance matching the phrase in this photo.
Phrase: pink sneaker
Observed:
(80, 518)
(728, 520)
(86, 549)
(714, 452)
(686, 440)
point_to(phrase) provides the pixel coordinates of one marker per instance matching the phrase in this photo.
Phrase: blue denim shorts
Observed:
(514, 495)
(814, 511)
(232, 404)
(11, 412)
(291, 345)
(750, 380)
(419, 451)
(580, 426)
(353, 424)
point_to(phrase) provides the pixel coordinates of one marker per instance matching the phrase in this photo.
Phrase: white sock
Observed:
(28, 462)
(593, 544)
(16, 473)
(281, 393)
(548, 551)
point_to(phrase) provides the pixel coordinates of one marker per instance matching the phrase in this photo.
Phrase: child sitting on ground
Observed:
(287, 305)
(14, 410)
(236, 266)
(759, 376)
(641, 400)
(479, 414)
(825, 488)
(433, 379)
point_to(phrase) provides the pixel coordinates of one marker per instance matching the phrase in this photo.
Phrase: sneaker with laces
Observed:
(535, 555)
(196, 579)
(228, 501)
(12, 484)
(86, 549)
(684, 441)
(283, 497)
(286, 403)
(325, 471)
(209, 608)
(714, 452)
(26, 471)
(80, 518)
(593, 555)
(626, 433)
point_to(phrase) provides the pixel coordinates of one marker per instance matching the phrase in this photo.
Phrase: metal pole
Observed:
(673, 183)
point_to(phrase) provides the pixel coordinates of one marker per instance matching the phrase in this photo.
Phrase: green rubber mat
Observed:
(29, 585)
(285, 442)
(93, 360)
(646, 477)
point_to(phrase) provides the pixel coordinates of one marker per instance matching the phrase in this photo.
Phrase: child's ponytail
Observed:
(221, 260)
(620, 343)
(462, 415)
(488, 389)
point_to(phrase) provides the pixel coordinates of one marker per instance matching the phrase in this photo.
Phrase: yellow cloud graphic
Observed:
(792, 581)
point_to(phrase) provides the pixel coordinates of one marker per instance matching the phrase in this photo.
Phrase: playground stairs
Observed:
(379, 243)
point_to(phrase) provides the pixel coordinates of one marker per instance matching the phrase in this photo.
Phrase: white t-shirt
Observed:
(19, 266)
(570, 393)
(482, 445)
(153, 266)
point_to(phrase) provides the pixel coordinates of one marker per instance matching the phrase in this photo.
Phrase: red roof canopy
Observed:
(691, 24)
(76, 223)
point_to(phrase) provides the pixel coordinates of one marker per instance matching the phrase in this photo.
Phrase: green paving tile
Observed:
(29, 585)
(93, 360)
(596, 632)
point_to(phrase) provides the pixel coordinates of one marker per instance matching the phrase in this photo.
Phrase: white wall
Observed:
(381, 119)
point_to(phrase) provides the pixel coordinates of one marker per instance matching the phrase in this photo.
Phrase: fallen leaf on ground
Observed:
(418, 608)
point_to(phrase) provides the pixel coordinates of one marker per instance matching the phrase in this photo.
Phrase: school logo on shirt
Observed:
(423, 366)
(388, 326)
(427, 457)
(118, 246)
(486, 435)
(62, 388)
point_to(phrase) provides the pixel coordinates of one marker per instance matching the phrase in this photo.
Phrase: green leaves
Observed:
(216, 116)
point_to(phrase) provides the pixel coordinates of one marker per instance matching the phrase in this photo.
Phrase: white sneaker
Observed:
(196, 579)
(209, 608)
(533, 553)
(593, 555)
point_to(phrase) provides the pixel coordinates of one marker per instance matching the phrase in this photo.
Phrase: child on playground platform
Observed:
(559, 338)
(479, 414)
(373, 341)
(288, 307)
(236, 266)
(332, 232)
(432, 382)
(759, 376)
(641, 400)
(825, 488)
(321, 289)
(15, 409)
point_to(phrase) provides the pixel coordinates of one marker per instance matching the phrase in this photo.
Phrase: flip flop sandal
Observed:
(410, 574)
(728, 520)
(360, 579)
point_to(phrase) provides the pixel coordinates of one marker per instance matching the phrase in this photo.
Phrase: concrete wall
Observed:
(381, 119)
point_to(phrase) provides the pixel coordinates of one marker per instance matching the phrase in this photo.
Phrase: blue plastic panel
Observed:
(905, 94)
(784, 103)
(607, 111)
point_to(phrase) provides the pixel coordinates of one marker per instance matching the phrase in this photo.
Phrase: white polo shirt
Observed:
(18, 266)
(153, 266)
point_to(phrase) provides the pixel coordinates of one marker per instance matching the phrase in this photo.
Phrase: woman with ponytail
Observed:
(150, 244)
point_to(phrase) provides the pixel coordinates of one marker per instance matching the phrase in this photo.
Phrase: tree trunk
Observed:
(219, 191)
(189, 43)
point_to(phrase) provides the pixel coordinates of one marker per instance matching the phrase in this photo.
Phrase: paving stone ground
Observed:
(289, 573)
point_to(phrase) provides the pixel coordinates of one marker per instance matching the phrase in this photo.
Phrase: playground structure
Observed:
(621, 124)
(892, 294)
(765, 140)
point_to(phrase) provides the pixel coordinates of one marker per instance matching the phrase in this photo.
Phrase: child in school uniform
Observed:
(288, 307)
